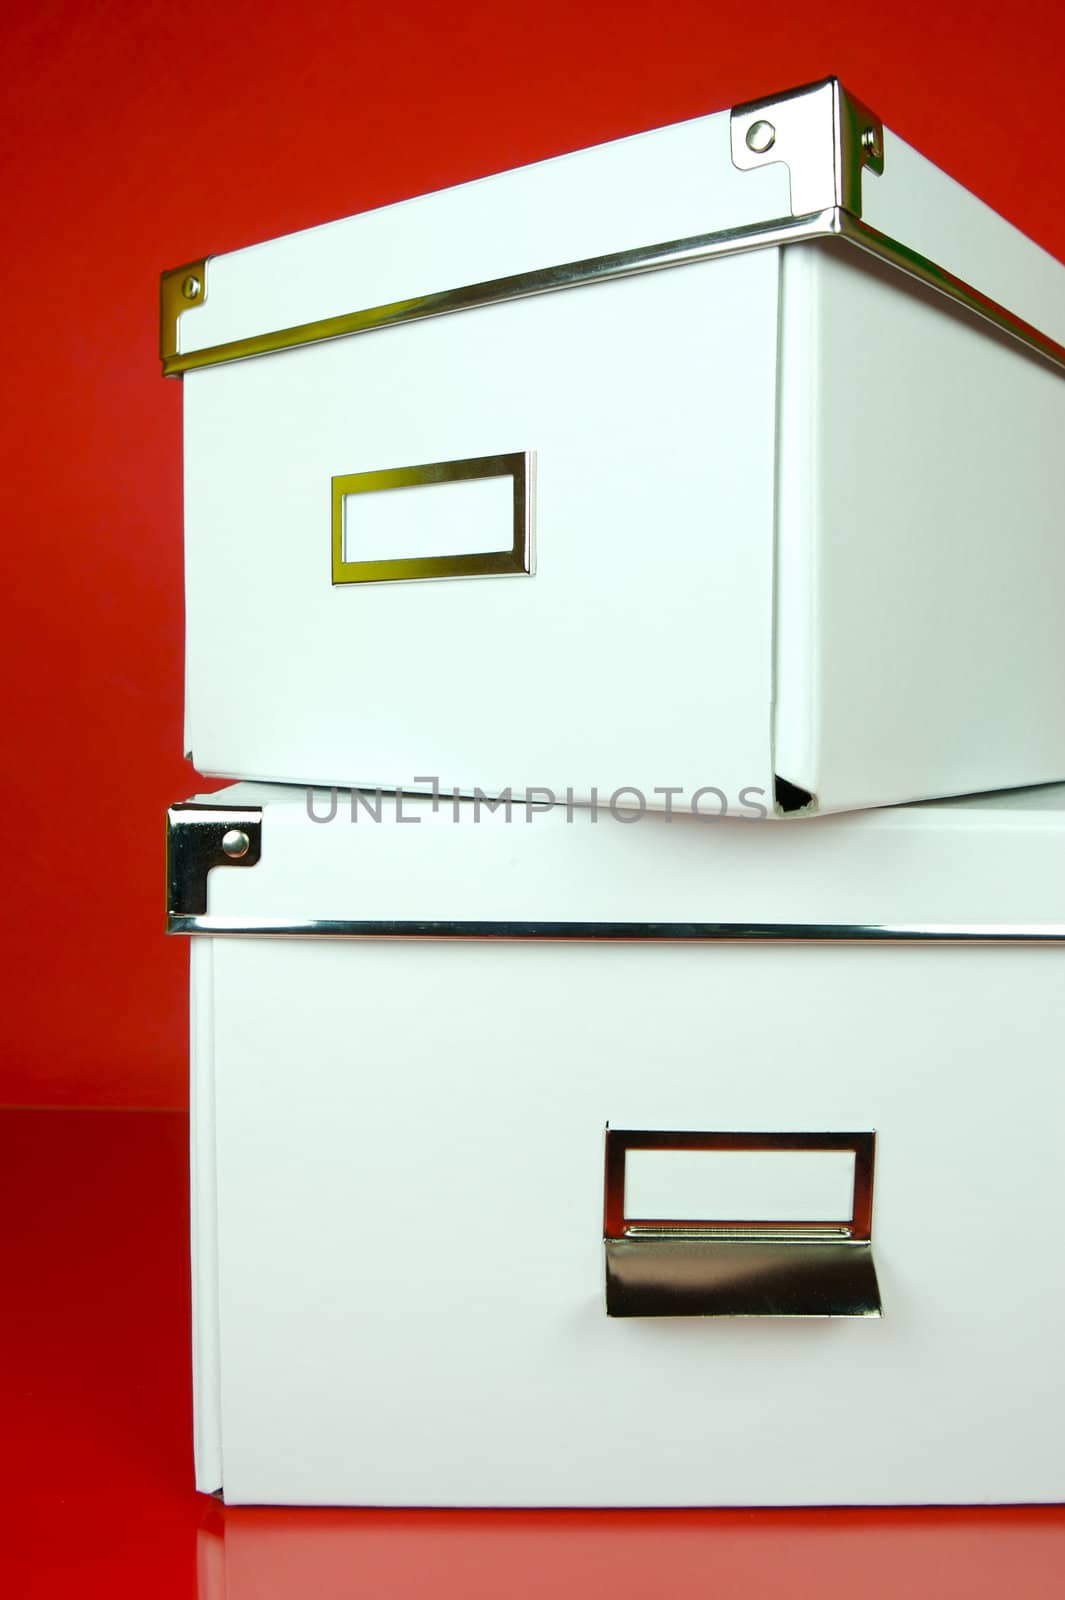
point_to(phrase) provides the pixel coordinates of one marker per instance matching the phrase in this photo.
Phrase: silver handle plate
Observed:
(736, 1267)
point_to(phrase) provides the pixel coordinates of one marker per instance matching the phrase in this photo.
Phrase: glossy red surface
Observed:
(137, 137)
(95, 1496)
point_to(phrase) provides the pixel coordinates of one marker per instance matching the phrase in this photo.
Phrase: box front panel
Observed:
(410, 1190)
(637, 649)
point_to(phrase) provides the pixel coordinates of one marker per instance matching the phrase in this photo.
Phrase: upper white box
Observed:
(748, 428)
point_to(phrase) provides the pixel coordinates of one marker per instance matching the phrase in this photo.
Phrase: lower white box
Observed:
(540, 1160)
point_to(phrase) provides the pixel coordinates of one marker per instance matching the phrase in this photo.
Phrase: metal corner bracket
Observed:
(200, 836)
(823, 135)
(181, 289)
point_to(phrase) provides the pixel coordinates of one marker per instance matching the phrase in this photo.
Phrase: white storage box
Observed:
(830, 1061)
(749, 430)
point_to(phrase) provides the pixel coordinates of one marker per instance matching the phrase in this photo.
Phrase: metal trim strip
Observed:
(520, 286)
(835, 223)
(622, 932)
(852, 230)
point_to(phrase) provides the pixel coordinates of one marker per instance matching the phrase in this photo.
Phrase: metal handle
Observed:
(739, 1268)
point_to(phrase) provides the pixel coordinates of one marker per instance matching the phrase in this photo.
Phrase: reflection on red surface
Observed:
(260, 1554)
(96, 1466)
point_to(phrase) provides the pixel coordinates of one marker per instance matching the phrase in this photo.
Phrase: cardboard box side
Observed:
(922, 654)
(921, 207)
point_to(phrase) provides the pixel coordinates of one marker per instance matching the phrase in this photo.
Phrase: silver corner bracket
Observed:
(823, 135)
(200, 836)
(659, 1267)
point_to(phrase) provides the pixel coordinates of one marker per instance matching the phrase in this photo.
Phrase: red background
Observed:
(138, 136)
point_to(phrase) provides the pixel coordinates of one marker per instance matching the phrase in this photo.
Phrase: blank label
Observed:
(471, 517)
(739, 1185)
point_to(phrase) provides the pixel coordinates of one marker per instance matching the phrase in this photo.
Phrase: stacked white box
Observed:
(562, 1135)
(408, 1040)
(790, 496)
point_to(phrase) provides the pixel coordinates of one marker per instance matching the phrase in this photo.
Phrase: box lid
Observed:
(811, 163)
(327, 862)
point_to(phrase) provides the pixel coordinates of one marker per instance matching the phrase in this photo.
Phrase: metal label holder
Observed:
(515, 558)
(716, 1268)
